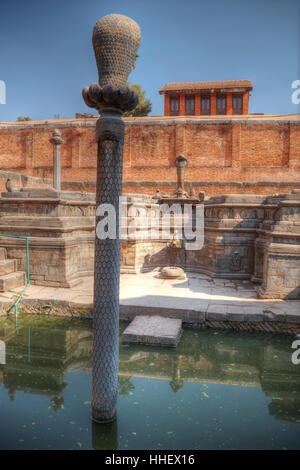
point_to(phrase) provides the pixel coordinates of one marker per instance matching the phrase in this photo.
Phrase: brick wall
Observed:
(225, 155)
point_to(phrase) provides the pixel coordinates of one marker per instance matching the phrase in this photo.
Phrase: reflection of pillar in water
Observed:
(12, 393)
(2, 352)
(125, 385)
(176, 383)
(57, 402)
(28, 346)
(105, 436)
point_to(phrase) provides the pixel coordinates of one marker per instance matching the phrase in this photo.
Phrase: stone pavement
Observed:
(154, 330)
(195, 300)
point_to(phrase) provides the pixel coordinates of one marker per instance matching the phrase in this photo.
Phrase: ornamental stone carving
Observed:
(235, 263)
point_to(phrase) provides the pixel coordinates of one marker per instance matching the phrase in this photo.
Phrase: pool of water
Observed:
(216, 390)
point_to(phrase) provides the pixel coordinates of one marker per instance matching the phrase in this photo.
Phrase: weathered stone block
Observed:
(12, 280)
(153, 330)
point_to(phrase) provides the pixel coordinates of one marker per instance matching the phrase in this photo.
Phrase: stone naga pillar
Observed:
(56, 140)
(181, 163)
(116, 39)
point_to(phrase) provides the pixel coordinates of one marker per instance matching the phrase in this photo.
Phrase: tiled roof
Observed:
(206, 85)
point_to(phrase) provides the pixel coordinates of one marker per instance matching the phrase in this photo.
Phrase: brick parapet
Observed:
(225, 154)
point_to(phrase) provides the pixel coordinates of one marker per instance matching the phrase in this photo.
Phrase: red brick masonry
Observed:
(226, 154)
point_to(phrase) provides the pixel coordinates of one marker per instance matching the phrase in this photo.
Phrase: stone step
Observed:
(7, 266)
(12, 280)
(2, 254)
(154, 330)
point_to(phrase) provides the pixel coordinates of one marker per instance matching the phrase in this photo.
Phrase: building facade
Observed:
(207, 98)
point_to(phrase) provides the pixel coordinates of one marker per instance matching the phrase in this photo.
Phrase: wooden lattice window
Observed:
(174, 106)
(205, 105)
(189, 105)
(221, 104)
(237, 104)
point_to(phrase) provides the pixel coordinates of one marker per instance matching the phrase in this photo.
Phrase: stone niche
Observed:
(145, 253)
(230, 224)
(229, 236)
(61, 230)
(277, 263)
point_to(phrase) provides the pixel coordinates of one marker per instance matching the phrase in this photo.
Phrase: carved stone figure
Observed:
(201, 196)
(235, 263)
(9, 185)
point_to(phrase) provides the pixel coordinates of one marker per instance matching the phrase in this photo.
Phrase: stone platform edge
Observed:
(230, 318)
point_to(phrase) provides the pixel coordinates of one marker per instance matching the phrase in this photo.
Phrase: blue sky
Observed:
(46, 54)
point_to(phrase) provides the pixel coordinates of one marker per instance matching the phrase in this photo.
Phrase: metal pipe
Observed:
(28, 275)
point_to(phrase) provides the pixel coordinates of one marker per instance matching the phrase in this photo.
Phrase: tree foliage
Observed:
(24, 118)
(144, 107)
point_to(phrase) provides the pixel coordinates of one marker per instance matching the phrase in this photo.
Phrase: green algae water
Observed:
(216, 390)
